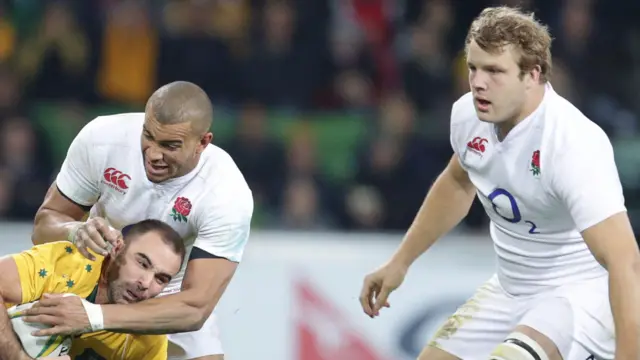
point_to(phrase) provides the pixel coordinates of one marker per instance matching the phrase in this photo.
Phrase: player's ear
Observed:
(119, 247)
(204, 141)
(535, 74)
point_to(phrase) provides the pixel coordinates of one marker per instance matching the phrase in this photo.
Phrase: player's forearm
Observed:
(10, 348)
(51, 225)
(446, 204)
(624, 293)
(164, 315)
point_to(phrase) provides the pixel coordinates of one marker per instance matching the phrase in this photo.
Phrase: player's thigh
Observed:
(574, 316)
(594, 326)
(570, 318)
(579, 352)
(549, 323)
(475, 329)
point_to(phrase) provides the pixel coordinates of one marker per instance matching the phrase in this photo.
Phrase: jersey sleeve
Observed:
(77, 178)
(35, 271)
(586, 180)
(454, 126)
(224, 232)
(459, 115)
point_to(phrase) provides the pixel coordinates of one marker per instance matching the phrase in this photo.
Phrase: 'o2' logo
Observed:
(516, 217)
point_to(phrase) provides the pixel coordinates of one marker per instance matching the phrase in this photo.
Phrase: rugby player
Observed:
(159, 164)
(143, 264)
(568, 263)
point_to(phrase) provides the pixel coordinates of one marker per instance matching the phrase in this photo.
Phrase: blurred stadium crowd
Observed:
(336, 110)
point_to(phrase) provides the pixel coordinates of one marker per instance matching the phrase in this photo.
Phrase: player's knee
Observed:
(518, 346)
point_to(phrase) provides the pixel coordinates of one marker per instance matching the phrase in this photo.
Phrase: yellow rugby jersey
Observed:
(59, 268)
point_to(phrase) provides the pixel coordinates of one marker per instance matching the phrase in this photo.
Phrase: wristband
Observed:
(94, 313)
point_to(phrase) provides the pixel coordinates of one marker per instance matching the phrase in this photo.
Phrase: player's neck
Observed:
(531, 104)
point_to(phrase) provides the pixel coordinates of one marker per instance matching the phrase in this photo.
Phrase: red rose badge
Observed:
(535, 163)
(181, 209)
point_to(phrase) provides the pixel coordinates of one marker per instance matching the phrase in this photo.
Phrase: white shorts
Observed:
(576, 317)
(190, 345)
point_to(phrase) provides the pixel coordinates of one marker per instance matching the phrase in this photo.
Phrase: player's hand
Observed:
(378, 286)
(97, 235)
(65, 315)
(63, 357)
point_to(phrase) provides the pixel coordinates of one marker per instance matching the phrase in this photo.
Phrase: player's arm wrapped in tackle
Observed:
(211, 266)
(206, 278)
(204, 283)
(150, 255)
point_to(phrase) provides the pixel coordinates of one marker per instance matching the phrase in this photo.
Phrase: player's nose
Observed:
(144, 283)
(478, 81)
(153, 154)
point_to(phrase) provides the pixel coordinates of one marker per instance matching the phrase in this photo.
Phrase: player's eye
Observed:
(171, 147)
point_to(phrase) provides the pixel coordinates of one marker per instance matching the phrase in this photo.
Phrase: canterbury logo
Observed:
(477, 144)
(116, 179)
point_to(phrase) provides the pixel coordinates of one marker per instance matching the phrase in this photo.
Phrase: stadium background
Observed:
(337, 113)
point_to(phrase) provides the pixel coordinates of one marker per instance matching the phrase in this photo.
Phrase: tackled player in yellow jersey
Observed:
(150, 254)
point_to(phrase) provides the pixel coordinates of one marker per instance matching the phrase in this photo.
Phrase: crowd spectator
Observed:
(336, 111)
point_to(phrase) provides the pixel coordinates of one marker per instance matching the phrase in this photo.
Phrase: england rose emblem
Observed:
(535, 163)
(181, 209)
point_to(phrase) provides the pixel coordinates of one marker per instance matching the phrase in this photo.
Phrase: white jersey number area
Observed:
(502, 199)
(537, 187)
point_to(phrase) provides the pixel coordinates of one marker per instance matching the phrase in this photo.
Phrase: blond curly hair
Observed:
(497, 27)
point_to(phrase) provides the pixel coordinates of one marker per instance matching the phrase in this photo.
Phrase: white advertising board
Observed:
(295, 295)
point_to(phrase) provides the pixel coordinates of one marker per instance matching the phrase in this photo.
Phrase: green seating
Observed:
(627, 155)
(336, 135)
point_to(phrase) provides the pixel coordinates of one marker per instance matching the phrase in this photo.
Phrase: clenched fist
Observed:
(94, 234)
(378, 286)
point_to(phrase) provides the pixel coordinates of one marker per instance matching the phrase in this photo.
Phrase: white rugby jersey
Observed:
(211, 207)
(552, 176)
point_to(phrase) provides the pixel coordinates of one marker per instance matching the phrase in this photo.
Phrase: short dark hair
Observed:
(167, 233)
(179, 102)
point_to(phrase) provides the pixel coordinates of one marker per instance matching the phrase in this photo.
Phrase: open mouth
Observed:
(131, 296)
(482, 104)
(157, 169)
